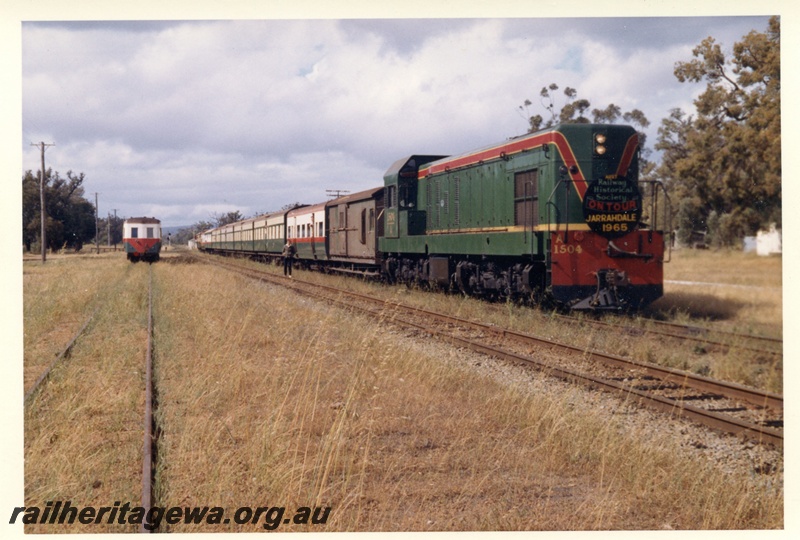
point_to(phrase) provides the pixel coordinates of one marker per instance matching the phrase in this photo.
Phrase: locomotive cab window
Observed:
(391, 197)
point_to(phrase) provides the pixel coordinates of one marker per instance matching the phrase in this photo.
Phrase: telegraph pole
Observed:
(96, 231)
(43, 239)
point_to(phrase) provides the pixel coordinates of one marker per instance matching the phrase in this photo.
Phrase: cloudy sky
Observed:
(216, 109)
(184, 119)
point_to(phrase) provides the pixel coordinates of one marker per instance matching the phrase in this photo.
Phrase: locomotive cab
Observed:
(403, 216)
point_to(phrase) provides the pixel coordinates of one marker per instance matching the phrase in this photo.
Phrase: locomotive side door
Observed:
(391, 225)
(526, 203)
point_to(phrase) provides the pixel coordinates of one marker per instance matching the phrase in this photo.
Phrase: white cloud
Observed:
(181, 117)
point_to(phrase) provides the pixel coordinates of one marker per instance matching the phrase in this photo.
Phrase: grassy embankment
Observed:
(269, 399)
(273, 399)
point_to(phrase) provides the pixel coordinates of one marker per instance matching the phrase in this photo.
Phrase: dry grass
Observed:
(83, 429)
(270, 399)
(58, 298)
(267, 399)
(737, 291)
(741, 309)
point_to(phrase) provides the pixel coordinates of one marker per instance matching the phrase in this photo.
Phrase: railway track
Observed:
(149, 444)
(712, 338)
(59, 358)
(721, 405)
(99, 324)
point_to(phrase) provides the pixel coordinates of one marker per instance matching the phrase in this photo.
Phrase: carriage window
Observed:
(134, 232)
(320, 229)
(371, 219)
(363, 238)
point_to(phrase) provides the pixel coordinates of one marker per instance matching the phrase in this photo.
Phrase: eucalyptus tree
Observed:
(70, 218)
(723, 163)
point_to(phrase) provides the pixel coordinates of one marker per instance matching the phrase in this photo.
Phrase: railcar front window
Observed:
(134, 232)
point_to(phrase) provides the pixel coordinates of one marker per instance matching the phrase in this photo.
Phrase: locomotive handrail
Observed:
(655, 187)
(550, 203)
(612, 245)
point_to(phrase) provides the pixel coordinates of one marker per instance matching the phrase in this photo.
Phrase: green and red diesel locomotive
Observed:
(558, 213)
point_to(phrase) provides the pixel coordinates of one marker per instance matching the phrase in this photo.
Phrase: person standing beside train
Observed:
(288, 255)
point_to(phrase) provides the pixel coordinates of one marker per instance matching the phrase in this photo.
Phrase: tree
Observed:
(70, 217)
(573, 112)
(723, 166)
(225, 219)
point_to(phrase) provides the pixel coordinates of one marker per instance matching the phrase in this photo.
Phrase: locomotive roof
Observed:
(514, 145)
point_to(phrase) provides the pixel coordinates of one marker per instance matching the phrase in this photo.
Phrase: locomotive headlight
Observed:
(599, 144)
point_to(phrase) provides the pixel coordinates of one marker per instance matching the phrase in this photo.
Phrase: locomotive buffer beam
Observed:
(607, 294)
